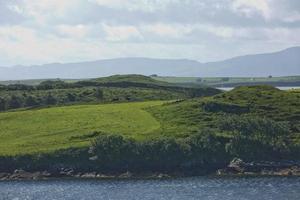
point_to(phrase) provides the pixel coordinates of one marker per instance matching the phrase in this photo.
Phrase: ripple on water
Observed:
(210, 188)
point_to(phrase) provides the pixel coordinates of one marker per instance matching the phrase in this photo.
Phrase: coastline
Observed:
(230, 171)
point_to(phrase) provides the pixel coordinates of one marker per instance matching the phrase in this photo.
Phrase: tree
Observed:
(2, 104)
(256, 138)
(99, 94)
(113, 151)
(15, 102)
(31, 101)
(50, 100)
(71, 97)
(207, 148)
(199, 80)
(225, 79)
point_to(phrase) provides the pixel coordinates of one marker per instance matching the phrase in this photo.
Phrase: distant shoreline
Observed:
(279, 87)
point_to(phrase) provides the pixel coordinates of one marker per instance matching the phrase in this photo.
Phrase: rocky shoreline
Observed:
(237, 167)
(69, 173)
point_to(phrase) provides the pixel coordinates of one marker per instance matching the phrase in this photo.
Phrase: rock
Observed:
(89, 175)
(103, 176)
(93, 158)
(21, 174)
(4, 176)
(220, 172)
(250, 173)
(126, 175)
(236, 165)
(163, 176)
(19, 171)
(66, 172)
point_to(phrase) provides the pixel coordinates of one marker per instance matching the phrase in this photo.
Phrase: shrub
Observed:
(256, 138)
(201, 151)
(213, 106)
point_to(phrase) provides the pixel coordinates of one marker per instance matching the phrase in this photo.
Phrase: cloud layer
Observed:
(35, 31)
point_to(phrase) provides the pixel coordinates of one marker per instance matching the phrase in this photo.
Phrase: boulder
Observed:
(236, 165)
(89, 175)
(126, 175)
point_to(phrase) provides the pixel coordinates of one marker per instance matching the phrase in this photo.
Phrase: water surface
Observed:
(204, 188)
(281, 88)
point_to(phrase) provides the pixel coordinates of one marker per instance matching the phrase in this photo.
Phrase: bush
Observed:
(256, 138)
(3, 105)
(213, 106)
(15, 102)
(201, 151)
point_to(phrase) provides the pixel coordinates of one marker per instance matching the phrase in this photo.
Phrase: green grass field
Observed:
(50, 129)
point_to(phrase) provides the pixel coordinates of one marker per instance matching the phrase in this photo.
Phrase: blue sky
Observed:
(45, 31)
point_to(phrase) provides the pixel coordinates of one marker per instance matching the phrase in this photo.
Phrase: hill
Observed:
(282, 63)
(190, 116)
(118, 88)
(194, 136)
(50, 129)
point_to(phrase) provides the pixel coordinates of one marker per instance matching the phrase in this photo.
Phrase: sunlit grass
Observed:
(50, 129)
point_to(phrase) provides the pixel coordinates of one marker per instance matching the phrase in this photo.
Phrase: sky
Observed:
(47, 31)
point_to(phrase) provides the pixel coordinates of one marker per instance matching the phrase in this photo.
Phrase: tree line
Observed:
(20, 100)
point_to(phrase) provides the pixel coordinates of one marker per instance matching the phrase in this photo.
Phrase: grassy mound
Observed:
(131, 78)
(190, 116)
(46, 130)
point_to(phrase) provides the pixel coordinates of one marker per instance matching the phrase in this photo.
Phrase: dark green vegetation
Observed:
(233, 81)
(125, 88)
(193, 135)
(189, 116)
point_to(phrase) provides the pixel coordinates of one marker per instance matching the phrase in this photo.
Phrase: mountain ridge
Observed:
(280, 63)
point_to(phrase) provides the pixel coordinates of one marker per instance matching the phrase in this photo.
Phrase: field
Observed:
(49, 129)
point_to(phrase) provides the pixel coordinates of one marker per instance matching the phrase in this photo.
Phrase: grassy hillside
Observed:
(253, 123)
(190, 116)
(63, 127)
(118, 88)
(46, 130)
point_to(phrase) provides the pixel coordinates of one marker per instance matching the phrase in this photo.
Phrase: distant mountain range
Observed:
(282, 63)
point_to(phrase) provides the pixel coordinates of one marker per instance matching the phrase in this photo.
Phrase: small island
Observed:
(134, 126)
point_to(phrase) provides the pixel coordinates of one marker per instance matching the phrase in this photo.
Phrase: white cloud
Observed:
(251, 7)
(133, 5)
(15, 8)
(75, 31)
(279, 10)
(42, 11)
(121, 33)
(167, 30)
